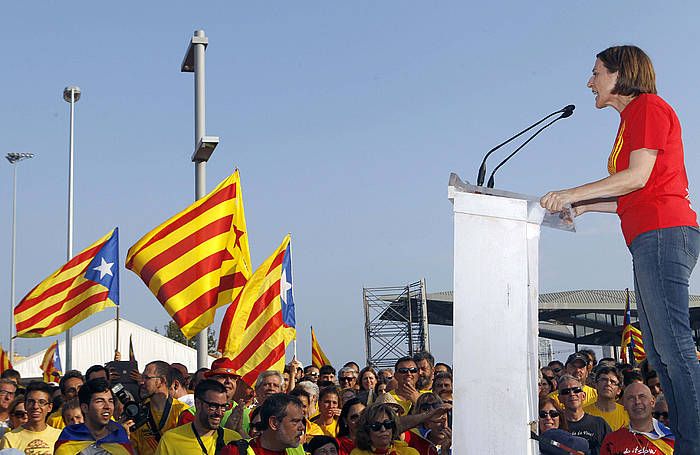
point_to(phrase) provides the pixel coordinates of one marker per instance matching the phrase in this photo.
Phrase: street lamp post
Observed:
(14, 158)
(204, 145)
(71, 95)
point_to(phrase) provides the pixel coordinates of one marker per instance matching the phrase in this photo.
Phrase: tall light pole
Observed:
(14, 158)
(203, 145)
(71, 95)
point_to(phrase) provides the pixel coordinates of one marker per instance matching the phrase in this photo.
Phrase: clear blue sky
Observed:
(345, 120)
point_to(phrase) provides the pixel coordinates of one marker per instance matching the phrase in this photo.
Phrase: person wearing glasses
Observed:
(577, 366)
(557, 368)
(377, 432)
(8, 389)
(204, 434)
(311, 373)
(644, 434)
(35, 434)
(608, 384)
(406, 374)
(163, 409)
(347, 378)
(591, 428)
(18, 414)
(432, 435)
(69, 385)
(661, 409)
(348, 422)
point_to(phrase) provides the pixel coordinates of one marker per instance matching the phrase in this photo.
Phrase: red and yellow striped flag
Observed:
(199, 259)
(631, 336)
(51, 364)
(86, 284)
(318, 357)
(5, 362)
(260, 328)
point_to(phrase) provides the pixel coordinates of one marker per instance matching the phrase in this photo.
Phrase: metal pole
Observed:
(12, 269)
(200, 167)
(116, 347)
(70, 95)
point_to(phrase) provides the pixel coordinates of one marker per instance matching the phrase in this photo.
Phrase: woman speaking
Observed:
(648, 188)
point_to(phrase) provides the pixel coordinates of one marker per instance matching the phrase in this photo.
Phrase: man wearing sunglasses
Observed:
(591, 428)
(35, 436)
(577, 366)
(204, 435)
(644, 434)
(406, 375)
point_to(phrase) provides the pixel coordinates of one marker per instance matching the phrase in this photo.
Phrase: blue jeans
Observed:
(663, 261)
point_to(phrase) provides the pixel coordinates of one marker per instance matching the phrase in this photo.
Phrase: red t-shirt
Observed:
(623, 442)
(345, 445)
(649, 122)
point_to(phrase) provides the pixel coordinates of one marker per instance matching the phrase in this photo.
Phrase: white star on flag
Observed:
(105, 268)
(285, 286)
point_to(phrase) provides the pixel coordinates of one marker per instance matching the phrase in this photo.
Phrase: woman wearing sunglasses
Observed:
(377, 433)
(550, 416)
(348, 422)
(18, 415)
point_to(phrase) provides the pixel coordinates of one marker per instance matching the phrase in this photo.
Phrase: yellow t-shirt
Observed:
(616, 419)
(31, 442)
(325, 430)
(405, 404)
(145, 441)
(591, 396)
(398, 447)
(312, 430)
(55, 419)
(181, 440)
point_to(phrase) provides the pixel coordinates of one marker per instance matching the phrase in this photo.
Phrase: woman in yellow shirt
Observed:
(377, 433)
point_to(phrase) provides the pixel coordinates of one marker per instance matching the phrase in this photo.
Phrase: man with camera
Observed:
(204, 435)
(162, 411)
(99, 433)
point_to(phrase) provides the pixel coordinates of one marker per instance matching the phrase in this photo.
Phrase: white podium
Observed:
(496, 239)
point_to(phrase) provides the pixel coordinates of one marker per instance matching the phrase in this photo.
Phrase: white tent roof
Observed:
(95, 346)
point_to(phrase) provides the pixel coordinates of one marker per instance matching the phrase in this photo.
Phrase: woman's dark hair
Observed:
(330, 390)
(562, 420)
(343, 429)
(362, 438)
(362, 373)
(319, 441)
(635, 72)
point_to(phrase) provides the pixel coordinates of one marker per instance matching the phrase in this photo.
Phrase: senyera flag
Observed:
(199, 259)
(318, 357)
(86, 284)
(261, 324)
(5, 362)
(51, 364)
(631, 337)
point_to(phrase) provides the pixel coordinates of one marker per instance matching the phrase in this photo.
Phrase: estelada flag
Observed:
(51, 364)
(86, 284)
(199, 259)
(318, 357)
(262, 323)
(5, 362)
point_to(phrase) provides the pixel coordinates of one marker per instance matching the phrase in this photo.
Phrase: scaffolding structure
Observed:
(396, 323)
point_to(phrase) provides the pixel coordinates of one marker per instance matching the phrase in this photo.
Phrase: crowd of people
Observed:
(164, 409)
(602, 407)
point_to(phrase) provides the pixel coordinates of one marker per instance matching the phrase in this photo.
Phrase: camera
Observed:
(133, 410)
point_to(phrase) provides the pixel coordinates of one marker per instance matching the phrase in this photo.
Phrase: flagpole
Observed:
(71, 95)
(116, 348)
(204, 146)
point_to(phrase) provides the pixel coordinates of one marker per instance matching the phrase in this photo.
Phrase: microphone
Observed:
(482, 170)
(568, 111)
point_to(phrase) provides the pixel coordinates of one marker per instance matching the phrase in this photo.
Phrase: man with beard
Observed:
(204, 435)
(644, 434)
(98, 432)
(282, 428)
(35, 436)
(163, 410)
(426, 370)
(591, 428)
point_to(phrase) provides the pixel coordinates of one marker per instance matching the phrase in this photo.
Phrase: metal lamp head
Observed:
(75, 91)
(17, 157)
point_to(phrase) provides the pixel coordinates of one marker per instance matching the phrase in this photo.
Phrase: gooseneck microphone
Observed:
(566, 112)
